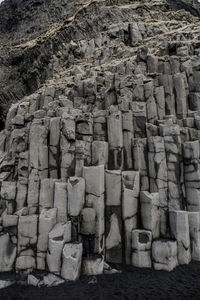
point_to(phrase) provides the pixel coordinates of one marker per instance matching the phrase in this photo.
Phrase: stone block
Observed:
(76, 195)
(47, 220)
(94, 180)
(164, 255)
(140, 161)
(71, 261)
(179, 226)
(100, 153)
(60, 201)
(8, 253)
(113, 187)
(141, 259)
(141, 239)
(194, 227)
(150, 212)
(113, 234)
(47, 193)
(130, 194)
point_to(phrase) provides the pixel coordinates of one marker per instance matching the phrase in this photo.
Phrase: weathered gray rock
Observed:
(54, 140)
(8, 194)
(67, 146)
(51, 280)
(140, 159)
(6, 283)
(194, 227)
(192, 174)
(59, 235)
(164, 255)
(27, 240)
(130, 201)
(60, 201)
(76, 195)
(173, 151)
(135, 34)
(94, 180)
(158, 176)
(22, 190)
(179, 226)
(141, 248)
(99, 206)
(113, 187)
(8, 253)
(115, 140)
(113, 234)
(181, 96)
(47, 193)
(100, 153)
(150, 212)
(71, 261)
(47, 220)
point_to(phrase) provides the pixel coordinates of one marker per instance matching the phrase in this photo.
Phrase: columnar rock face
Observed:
(111, 118)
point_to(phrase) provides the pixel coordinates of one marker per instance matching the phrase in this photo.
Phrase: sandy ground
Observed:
(132, 283)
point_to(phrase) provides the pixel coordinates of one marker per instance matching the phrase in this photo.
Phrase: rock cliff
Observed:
(107, 104)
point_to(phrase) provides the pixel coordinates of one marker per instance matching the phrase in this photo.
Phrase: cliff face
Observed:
(24, 66)
(110, 116)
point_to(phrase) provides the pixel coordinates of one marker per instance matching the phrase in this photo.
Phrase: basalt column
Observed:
(130, 194)
(113, 216)
(38, 161)
(173, 149)
(192, 175)
(115, 140)
(95, 189)
(158, 176)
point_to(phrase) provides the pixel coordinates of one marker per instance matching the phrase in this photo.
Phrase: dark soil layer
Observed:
(132, 283)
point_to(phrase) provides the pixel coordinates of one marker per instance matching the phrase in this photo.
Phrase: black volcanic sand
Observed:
(132, 283)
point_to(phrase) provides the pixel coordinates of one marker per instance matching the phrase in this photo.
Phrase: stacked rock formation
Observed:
(118, 124)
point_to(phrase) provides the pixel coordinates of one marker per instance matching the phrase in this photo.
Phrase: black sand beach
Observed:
(132, 283)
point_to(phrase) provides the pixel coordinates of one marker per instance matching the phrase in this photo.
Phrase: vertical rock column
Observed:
(47, 220)
(8, 196)
(67, 146)
(128, 134)
(95, 189)
(194, 226)
(84, 139)
(113, 216)
(140, 162)
(38, 161)
(115, 140)
(76, 201)
(192, 175)
(27, 241)
(22, 183)
(181, 96)
(130, 193)
(54, 148)
(166, 81)
(173, 149)
(150, 212)
(179, 226)
(158, 176)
